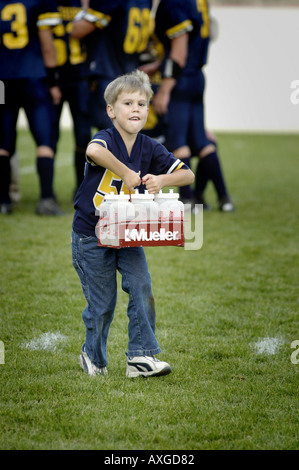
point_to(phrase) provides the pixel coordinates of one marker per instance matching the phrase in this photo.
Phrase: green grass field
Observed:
(227, 315)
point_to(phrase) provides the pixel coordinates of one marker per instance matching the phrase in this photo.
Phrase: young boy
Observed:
(116, 157)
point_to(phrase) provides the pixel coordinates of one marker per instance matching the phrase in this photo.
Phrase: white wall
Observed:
(250, 69)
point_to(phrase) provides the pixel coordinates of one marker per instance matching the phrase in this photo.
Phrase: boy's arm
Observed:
(180, 177)
(103, 157)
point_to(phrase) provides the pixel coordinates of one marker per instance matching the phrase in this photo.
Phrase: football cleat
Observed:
(5, 208)
(48, 206)
(226, 205)
(205, 205)
(146, 366)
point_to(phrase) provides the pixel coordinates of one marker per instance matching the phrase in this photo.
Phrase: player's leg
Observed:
(14, 187)
(142, 344)
(177, 137)
(55, 124)
(96, 268)
(8, 121)
(5, 178)
(39, 111)
(77, 98)
(136, 281)
(208, 168)
(184, 154)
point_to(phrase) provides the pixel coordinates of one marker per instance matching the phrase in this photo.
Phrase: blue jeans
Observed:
(97, 267)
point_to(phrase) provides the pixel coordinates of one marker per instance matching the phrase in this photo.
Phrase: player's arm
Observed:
(101, 156)
(50, 61)
(82, 28)
(181, 177)
(48, 48)
(87, 21)
(176, 61)
(85, 4)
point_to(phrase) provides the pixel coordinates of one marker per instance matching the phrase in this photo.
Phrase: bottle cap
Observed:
(169, 195)
(122, 196)
(142, 196)
(116, 197)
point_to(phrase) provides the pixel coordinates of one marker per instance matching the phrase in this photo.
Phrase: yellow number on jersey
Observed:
(202, 7)
(18, 38)
(106, 186)
(60, 46)
(76, 55)
(138, 30)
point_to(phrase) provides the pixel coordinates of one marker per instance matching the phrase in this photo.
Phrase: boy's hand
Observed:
(132, 179)
(153, 183)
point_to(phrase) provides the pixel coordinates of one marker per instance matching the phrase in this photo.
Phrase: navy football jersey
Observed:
(123, 28)
(20, 51)
(71, 54)
(147, 156)
(174, 17)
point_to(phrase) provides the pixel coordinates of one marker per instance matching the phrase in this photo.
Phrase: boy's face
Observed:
(129, 112)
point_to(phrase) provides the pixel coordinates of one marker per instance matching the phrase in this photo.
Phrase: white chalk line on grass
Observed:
(62, 160)
(268, 346)
(49, 341)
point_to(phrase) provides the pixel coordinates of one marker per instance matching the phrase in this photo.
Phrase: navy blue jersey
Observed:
(20, 51)
(123, 28)
(175, 17)
(71, 54)
(147, 156)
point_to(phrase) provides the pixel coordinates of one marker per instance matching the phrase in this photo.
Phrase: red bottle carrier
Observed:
(144, 221)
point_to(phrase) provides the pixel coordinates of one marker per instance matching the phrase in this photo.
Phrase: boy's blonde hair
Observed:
(131, 82)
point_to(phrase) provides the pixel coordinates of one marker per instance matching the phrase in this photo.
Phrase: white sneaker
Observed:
(146, 366)
(89, 367)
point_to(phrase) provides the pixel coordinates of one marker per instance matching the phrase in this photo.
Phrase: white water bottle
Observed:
(106, 226)
(146, 209)
(169, 205)
(122, 209)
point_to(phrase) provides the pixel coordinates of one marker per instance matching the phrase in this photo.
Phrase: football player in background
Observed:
(183, 27)
(71, 57)
(115, 33)
(28, 70)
